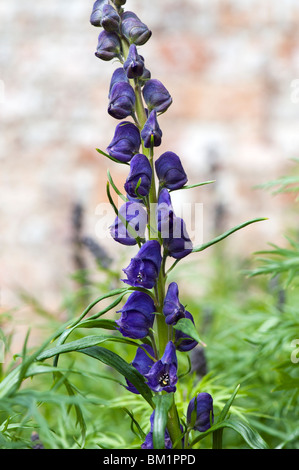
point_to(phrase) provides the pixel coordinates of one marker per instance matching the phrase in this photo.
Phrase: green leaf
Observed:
(115, 188)
(217, 435)
(190, 186)
(163, 404)
(111, 158)
(187, 326)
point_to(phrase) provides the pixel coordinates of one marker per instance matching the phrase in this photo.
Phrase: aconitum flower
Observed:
(184, 342)
(172, 308)
(109, 46)
(164, 213)
(125, 143)
(151, 132)
(142, 362)
(137, 316)
(156, 96)
(136, 217)
(134, 65)
(140, 169)
(144, 268)
(170, 171)
(202, 404)
(97, 12)
(110, 19)
(148, 442)
(118, 76)
(133, 29)
(163, 374)
(177, 244)
(122, 100)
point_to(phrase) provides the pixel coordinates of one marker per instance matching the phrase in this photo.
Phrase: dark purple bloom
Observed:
(164, 213)
(97, 12)
(163, 374)
(118, 76)
(133, 29)
(170, 171)
(134, 65)
(144, 268)
(140, 168)
(177, 244)
(172, 308)
(136, 217)
(110, 19)
(125, 143)
(148, 443)
(142, 362)
(184, 342)
(122, 100)
(137, 316)
(109, 46)
(156, 96)
(202, 404)
(151, 131)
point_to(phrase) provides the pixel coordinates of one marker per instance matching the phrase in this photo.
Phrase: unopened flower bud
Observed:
(133, 29)
(131, 215)
(156, 96)
(97, 12)
(172, 308)
(122, 100)
(109, 46)
(119, 75)
(110, 19)
(200, 412)
(178, 244)
(151, 132)
(137, 316)
(140, 170)
(125, 143)
(134, 65)
(170, 171)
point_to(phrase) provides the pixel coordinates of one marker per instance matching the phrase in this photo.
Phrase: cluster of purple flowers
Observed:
(133, 143)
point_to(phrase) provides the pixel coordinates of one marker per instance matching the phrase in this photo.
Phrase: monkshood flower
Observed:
(172, 308)
(133, 29)
(148, 442)
(202, 404)
(134, 65)
(110, 19)
(142, 362)
(151, 132)
(156, 96)
(184, 342)
(97, 12)
(144, 268)
(118, 76)
(163, 374)
(170, 171)
(164, 213)
(109, 46)
(122, 100)
(136, 217)
(125, 143)
(177, 244)
(140, 169)
(137, 316)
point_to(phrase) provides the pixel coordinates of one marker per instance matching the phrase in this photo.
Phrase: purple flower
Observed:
(172, 308)
(133, 29)
(177, 244)
(156, 96)
(142, 362)
(118, 76)
(109, 46)
(148, 443)
(122, 100)
(144, 269)
(110, 19)
(170, 171)
(137, 316)
(163, 374)
(202, 404)
(164, 213)
(151, 130)
(134, 65)
(97, 12)
(184, 342)
(140, 168)
(136, 217)
(125, 143)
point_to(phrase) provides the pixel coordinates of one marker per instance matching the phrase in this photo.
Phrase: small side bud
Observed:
(109, 46)
(97, 12)
(134, 65)
(133, 29)
(110, 19)
(151, 132)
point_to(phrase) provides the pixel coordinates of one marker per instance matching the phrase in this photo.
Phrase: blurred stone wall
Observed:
(230, 66)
